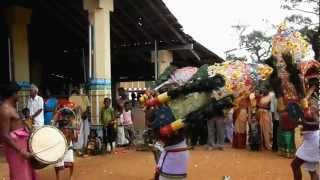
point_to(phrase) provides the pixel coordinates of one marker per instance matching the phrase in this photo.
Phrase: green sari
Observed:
(286, 143)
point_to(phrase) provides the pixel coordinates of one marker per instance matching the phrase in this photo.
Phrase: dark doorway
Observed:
(58, 54)
(4, 50)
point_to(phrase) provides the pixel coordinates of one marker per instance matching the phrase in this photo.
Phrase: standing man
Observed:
(35, 105)
(14, 135)
(133, 98)
(275, 121)
(216, 133)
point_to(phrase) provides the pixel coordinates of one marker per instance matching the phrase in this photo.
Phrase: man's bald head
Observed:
(33, 90)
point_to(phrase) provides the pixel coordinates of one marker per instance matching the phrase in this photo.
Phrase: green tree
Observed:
(257, 43)
(304, 12)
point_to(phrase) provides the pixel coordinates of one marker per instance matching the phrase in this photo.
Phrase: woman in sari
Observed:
(287, 146)
(241, 117)
(264, 117)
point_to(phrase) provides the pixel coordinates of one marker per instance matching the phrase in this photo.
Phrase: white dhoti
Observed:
(121, 138)
(311, 166)
(83, 135)
(173, 162)
(309, 151)
(67, 159)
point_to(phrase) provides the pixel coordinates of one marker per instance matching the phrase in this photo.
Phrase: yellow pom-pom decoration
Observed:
(163, 97)
(178, 124)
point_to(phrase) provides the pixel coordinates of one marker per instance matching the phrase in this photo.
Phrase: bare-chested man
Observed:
(14, 135)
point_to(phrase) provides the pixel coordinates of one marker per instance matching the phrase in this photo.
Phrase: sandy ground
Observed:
(203, 165)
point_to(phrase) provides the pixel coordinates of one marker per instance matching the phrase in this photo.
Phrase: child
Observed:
(121, 138)
(93, 144)
(65, 123)
(128, 123)
(254, 134)
(26, 118)
(108, 120)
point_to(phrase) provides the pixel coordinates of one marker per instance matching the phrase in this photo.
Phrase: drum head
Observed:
(48, 144)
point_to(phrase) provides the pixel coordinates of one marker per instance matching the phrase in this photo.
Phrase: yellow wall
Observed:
(165, 57)
(133, 84)
(18, 19)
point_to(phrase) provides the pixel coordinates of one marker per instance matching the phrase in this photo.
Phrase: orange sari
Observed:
(240, 125)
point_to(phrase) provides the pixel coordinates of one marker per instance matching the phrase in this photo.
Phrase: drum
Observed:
(47, 145)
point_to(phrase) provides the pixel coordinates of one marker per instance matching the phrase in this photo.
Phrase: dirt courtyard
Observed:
(203, 165)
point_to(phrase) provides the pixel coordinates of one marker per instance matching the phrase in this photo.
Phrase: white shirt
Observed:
(34, 104)
(274, 106)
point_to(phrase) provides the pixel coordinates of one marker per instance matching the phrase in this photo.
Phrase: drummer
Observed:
(14, 135)
(64, 121)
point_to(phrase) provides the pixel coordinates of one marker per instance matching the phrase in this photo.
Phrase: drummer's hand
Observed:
(25, 154)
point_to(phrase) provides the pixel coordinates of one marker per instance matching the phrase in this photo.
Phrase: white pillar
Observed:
(100, 84)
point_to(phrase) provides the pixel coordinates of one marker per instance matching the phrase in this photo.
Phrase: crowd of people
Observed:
(17, 126)
(253, 124)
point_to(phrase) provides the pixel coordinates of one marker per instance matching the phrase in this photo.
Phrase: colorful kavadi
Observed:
(208, 90)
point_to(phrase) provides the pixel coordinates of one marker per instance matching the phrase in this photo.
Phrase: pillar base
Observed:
(98, 90)
(23, 95)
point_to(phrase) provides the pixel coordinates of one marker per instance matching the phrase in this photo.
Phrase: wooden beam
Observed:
(158, 13)
(180, 47)
(151, 48)
(170, 26)
(115, 20)
(122, 11)
(117, 33)
(67, 13)
(148, 21)
(195, 54)
(64, 22)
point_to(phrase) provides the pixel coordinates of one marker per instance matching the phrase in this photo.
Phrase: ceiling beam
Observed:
(148, 21)
(116, 21)
(172, 29)
(63, 21)
(151, 48)
(158, 13)
(117, 33)
(122, 11)
(195, 54)
(67, 13)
